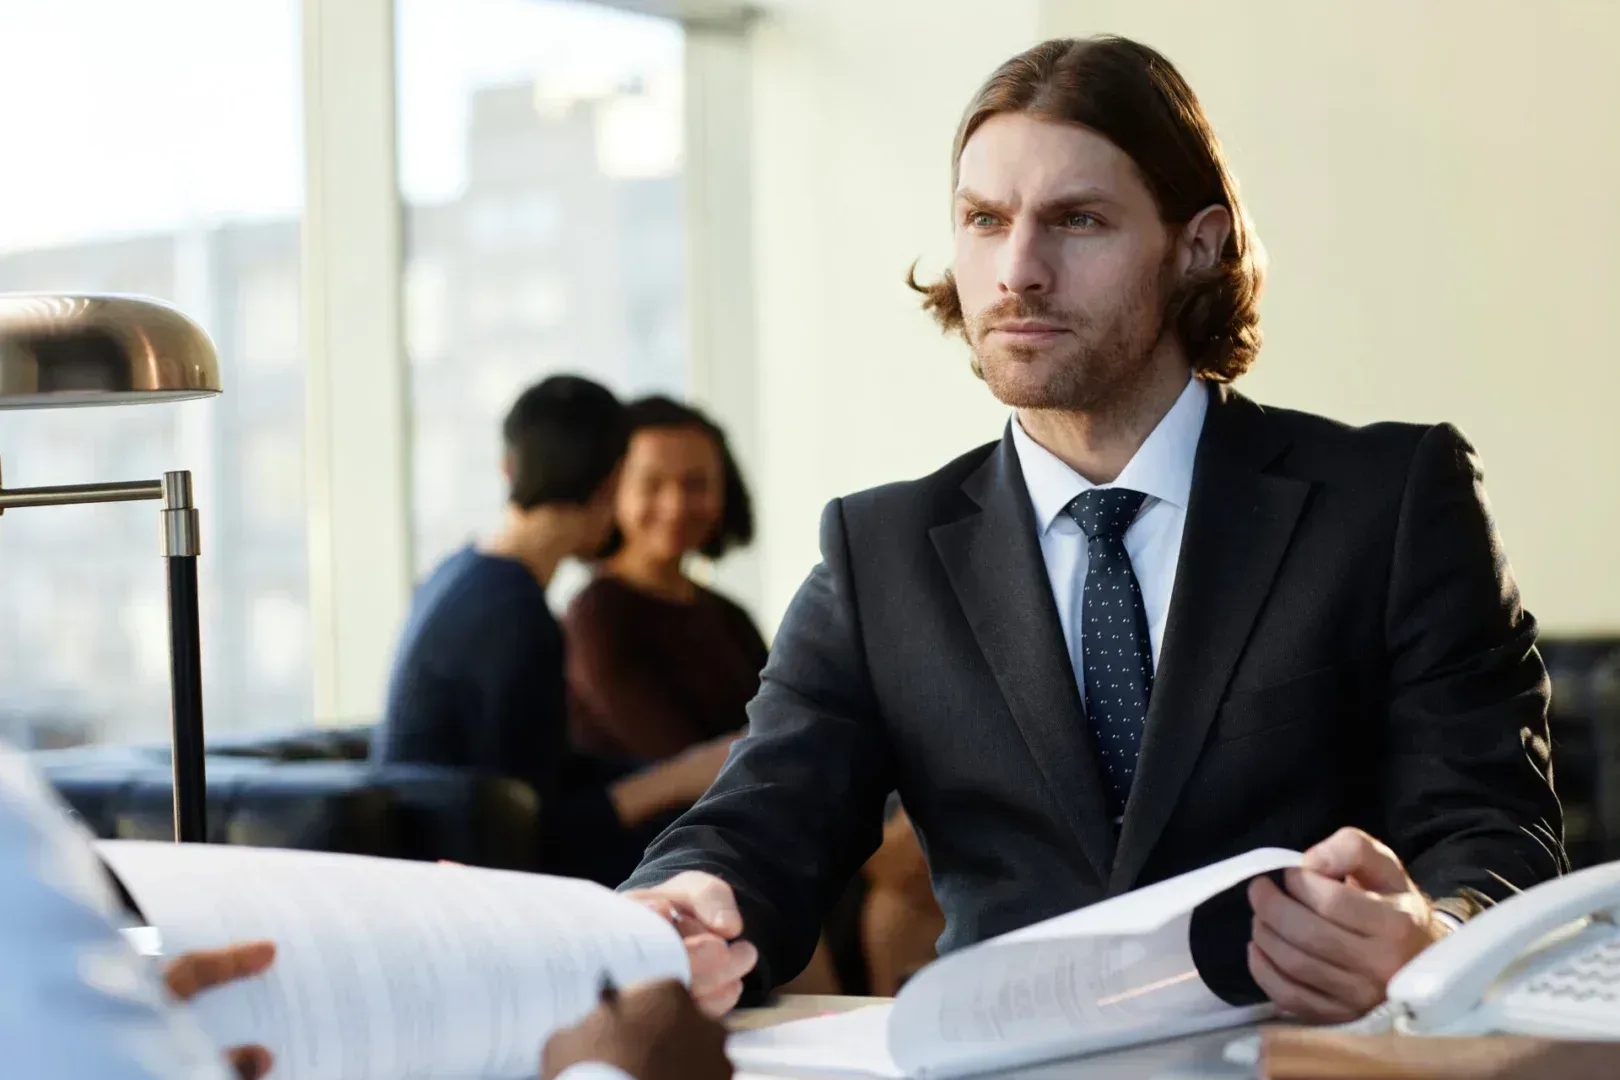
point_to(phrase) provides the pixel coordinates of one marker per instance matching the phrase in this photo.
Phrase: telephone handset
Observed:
(1545, 962)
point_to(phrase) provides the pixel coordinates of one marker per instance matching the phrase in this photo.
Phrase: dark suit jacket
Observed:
(1345, 646)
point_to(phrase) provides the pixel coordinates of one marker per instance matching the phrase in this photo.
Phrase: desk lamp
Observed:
(63, 351)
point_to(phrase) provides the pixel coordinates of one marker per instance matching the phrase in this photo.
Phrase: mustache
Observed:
(1035, 306)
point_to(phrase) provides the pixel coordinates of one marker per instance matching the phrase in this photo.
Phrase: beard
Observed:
(1084, 370)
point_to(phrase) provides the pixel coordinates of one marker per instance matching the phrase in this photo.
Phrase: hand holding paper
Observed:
(190, 974)
(704, 911)
(386, 968)
(652, 1032)
(1351, 917)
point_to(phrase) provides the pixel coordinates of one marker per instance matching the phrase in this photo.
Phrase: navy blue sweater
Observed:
(478, 674)
(478, 682)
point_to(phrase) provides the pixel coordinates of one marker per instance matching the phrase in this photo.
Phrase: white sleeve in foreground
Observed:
(79, 1000)
(594, 1070)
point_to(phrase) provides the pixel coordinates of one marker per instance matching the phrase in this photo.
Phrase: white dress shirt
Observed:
(1161, 469)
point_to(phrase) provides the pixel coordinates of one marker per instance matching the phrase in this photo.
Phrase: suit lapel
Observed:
(1239, 521)
(994, 562)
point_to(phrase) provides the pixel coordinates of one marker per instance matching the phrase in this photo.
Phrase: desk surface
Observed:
(1196, 1057)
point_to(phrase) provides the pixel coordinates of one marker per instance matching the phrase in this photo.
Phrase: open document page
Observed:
(1113, 974)
(387, 969)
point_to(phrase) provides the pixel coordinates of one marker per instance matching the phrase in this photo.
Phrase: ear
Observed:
(508, 466)
(1203, 239)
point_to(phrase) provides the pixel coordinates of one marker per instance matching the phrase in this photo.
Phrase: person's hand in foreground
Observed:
(191, 973)
(705, 913)
(1326, 948)
(654, 1031)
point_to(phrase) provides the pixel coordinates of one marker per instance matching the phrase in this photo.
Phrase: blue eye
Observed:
(1079, 220)
(980, 219)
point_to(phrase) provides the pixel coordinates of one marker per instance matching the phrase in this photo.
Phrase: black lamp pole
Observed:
(181, 547)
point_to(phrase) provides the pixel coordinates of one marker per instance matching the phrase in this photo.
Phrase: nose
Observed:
(1022, 267)
(672, 503)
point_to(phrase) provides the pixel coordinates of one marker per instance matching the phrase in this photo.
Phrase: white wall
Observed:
(854, 107)
(1434, 183)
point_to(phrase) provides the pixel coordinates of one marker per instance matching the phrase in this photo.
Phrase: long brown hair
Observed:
(1137, 100)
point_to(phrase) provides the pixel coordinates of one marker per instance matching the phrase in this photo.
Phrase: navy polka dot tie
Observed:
(1116, 651)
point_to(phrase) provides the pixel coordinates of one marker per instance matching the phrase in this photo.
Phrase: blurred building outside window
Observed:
(540, 147)
(541, 151)
(156, 148)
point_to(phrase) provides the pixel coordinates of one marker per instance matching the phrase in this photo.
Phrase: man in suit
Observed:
(1154, 626)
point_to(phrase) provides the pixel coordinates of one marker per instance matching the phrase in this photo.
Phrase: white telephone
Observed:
(1545, 962)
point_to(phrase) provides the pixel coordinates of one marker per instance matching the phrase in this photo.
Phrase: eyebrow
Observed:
(1085, 196)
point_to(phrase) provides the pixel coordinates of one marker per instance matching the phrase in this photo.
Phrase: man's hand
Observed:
(652, 1032)
(1326, 949)
(191, 973)
(705, 914)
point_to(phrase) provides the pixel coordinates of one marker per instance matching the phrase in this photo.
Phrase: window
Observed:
(197, 105)
(540, 162)
(268, 331)
(426, 300)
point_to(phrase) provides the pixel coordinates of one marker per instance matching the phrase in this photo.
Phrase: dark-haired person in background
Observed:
(478, 674)
(657, 662)
(1155, 624)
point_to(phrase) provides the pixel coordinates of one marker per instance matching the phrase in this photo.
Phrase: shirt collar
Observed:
(1161, 468)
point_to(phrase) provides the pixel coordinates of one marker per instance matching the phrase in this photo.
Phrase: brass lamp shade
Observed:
(58, 351)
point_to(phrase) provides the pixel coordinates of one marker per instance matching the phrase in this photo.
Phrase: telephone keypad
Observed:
(1592, 976)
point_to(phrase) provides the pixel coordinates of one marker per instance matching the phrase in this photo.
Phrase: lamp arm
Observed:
(75, 494)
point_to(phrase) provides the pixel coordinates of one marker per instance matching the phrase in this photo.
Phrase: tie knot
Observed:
(1105, 513)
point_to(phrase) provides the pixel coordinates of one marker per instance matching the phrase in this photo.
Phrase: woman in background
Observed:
(656, 662)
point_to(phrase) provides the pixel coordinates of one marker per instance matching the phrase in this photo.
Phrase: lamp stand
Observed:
(181, 547)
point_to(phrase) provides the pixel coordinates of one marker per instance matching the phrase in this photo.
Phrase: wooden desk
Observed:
(1196, 1057)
